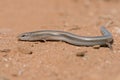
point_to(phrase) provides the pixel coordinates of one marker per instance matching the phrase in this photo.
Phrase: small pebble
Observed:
(81, 54)
(15, 75)
(5, 50)
(25, 50)
(36, 43)
(96, 46)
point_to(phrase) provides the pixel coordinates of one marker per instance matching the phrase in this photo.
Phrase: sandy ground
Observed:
(21, 60)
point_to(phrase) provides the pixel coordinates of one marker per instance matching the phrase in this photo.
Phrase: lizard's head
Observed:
(25, 37)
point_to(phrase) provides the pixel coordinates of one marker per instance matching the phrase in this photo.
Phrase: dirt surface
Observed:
(21, 60)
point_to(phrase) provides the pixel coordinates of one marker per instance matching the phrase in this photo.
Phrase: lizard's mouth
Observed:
(24, 37)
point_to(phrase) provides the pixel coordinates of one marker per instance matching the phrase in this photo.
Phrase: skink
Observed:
(54, 35)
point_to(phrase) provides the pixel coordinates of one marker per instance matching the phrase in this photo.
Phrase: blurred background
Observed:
(27, 15)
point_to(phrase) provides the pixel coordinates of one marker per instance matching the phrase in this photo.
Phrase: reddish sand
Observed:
(21, 60)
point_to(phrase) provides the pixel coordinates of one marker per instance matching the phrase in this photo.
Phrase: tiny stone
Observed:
(15, 75)
(32, 45)
(24, 50)
(5, 50)
(36, 43)
(81, 54)
(96, 46)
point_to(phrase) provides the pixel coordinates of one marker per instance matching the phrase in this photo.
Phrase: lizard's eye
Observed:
(24, 35)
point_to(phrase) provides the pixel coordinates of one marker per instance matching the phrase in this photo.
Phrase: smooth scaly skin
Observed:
(53, 35)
